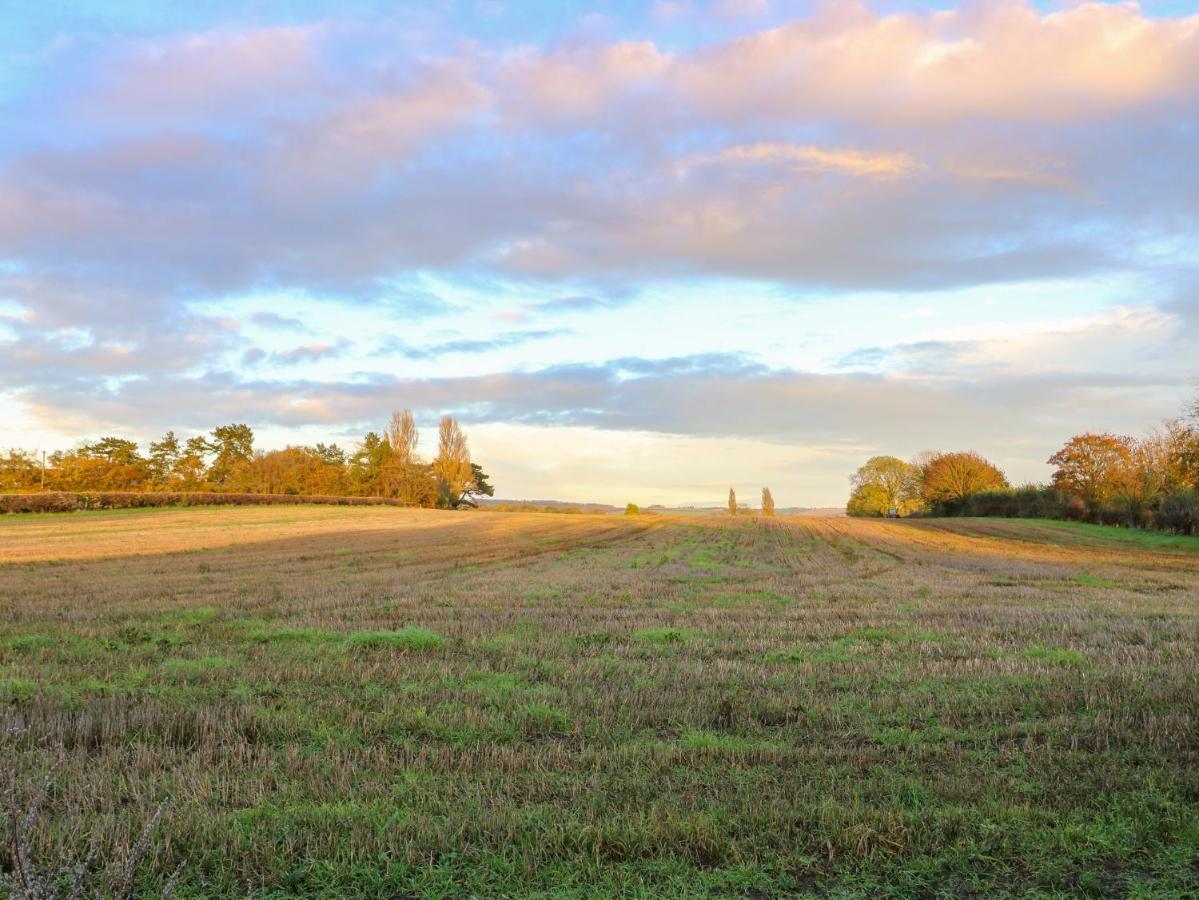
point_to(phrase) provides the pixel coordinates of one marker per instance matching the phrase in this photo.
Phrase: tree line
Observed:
(1149, 482)
(385, 464)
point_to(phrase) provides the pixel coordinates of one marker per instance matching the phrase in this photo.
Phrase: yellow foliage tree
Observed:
(451, 468)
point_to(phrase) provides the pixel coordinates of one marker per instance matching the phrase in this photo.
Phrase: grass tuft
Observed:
(410, 638)
(665, 636)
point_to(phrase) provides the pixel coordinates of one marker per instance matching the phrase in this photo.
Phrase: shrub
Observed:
(1027, 502)
(1174, 511)
(63, 501)
(1178, 511)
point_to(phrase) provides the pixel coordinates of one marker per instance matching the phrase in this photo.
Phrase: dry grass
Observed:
(381, 702)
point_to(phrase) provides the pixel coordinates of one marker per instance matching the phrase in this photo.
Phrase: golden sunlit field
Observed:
(379, 702)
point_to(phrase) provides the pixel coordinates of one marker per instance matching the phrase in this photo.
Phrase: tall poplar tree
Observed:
(452, 467)
(402, 436)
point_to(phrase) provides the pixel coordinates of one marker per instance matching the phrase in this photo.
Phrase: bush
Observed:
(61, 501)
(1178, 511)
(1027, 502)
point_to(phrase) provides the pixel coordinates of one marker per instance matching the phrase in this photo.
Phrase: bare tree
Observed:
(767, 502)
(402, 436)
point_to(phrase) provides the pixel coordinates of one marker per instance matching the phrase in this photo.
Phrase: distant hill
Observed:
(681, 510)
(552, 504)
(698, 510)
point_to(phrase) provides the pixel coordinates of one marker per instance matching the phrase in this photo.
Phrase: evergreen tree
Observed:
(164, 457)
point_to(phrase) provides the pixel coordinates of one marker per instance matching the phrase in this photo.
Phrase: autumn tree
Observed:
(1160, 461)
(164, 457)
(231, 445)
(114, 450)
(732, 502)
(882, 484)
(19, 471)
(293, 470)
(109, 464)
(1184, 444)
(402, 436)
(191, 469)
(403, 474)
(328, 453)
(1094, 467)
(767, 502)
(452, 468)
(949, 477)
(367, 462)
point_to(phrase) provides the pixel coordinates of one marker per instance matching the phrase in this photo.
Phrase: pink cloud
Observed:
(1003, 60)
(809, 158)
(576, 82)
(212, 72)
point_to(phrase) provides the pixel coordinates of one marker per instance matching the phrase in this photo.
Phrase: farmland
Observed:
(386, 702)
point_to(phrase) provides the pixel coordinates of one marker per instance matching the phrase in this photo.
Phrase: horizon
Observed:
(631, 278)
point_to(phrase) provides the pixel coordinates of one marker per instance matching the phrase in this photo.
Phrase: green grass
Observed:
(286, 635)
(666, 636)
(1106, 535)
(412, 638)
(1055, 656)
(1092, 581)
(537, 706)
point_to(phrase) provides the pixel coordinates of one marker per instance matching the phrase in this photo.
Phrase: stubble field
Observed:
(383, 702)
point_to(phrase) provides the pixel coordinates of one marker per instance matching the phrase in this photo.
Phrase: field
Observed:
(384, 702)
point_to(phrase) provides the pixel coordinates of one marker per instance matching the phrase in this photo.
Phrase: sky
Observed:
(643, 251)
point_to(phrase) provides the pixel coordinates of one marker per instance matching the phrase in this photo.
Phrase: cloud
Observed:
(359, 169)
(735, 9)
(577, 303)
(296, 356)
(846, 413)
(810, 159)
(311, 353)
(210, 73)
(577, 81)
(395, 346)
(1003, 60)
(1140, 339)
(276, 322)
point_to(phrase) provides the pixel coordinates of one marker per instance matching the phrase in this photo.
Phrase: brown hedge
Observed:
(62, 501)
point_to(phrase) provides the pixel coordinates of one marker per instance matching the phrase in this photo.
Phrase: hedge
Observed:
(1176, 511)
(63, 501)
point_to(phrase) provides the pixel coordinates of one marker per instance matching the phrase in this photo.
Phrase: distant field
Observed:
(378, 702)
